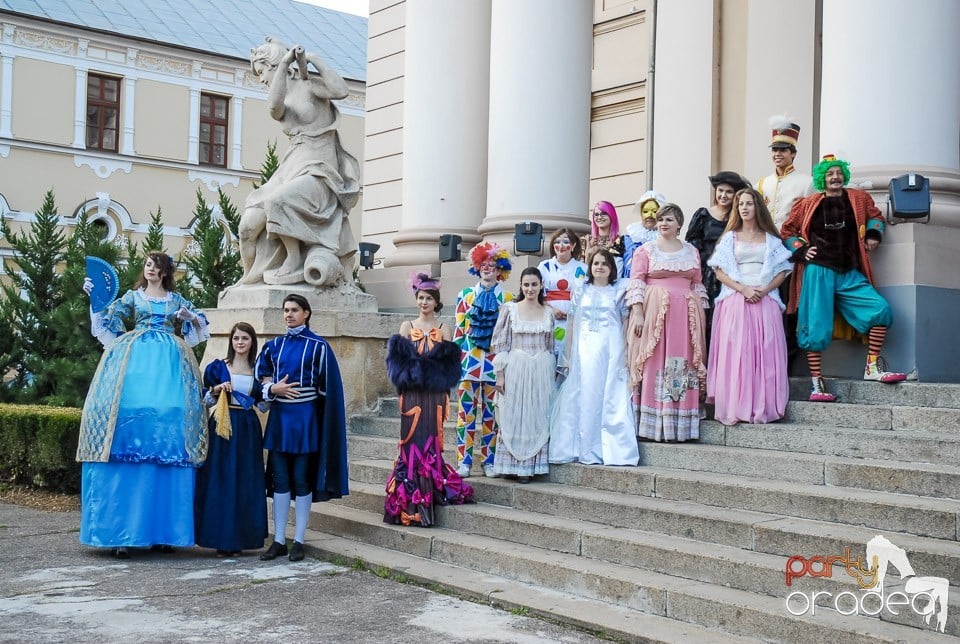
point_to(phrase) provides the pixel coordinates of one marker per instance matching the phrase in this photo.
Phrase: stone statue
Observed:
(294, 228)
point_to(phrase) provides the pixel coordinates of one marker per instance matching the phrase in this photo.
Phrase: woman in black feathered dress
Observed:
(423, 364)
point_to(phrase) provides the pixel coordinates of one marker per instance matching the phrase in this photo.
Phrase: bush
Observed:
(38, 446)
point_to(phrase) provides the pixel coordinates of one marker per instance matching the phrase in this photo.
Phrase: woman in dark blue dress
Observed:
(231, 509)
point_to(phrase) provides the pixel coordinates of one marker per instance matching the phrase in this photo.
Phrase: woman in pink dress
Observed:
(667, 299)
(747, 375)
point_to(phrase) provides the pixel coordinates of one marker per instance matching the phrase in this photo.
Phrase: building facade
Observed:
(124, 109)
(485, 113)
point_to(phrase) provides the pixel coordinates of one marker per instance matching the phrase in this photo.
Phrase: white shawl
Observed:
(776, 260)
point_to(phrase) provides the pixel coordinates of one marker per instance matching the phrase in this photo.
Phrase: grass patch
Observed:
(520, 611)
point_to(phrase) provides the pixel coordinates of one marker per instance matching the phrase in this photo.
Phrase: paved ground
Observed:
(52, 589)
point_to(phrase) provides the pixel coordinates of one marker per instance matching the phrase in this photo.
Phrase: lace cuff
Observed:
(636, 292)
(266, 392)
(196, 331)
(100, 329)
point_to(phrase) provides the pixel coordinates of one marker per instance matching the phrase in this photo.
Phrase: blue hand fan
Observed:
(106, 283)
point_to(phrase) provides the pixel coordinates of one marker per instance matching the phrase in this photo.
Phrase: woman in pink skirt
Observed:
(747, 375)
(667, 300)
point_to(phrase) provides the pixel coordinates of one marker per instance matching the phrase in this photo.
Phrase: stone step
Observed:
(728, 610)
(874, 416)
(764, 532)
(613, 621)
(906, 394)
(938, 481)
(932, 517)
(912, 446)
(839, 414)
(709, 563)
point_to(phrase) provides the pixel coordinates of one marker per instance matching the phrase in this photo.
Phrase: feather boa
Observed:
(437, 370)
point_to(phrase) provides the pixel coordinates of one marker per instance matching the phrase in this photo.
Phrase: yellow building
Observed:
(124, 107)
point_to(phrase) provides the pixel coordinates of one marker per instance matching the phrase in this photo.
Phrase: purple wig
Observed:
(606, 207)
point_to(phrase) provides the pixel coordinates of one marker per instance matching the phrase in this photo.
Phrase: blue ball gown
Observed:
(231, 502)
(143, 430)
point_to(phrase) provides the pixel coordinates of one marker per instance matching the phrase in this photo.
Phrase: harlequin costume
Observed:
(839, 276)
(306, 436)
(423, 368)
(476, 316)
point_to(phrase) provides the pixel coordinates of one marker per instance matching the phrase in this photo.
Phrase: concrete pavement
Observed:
(54, 589)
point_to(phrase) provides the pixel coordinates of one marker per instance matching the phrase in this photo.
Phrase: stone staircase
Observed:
(692, 545)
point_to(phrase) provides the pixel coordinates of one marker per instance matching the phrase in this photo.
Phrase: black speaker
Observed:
(527, 238)
(909, 198)
(450, 248)
(367, 251)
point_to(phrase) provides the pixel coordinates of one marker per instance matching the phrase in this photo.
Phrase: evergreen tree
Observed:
(270, 165)
(136, 253)
(211, 262)
(30, 297)
(230, 214)
(75, 351)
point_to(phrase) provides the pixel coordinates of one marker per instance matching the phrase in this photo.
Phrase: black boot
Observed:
(275, 550)
(296, 551)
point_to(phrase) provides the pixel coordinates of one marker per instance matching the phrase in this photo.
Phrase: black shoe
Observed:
(296, 551)
(524, 479)
(121, 553)
(275, 550)
(162, 547)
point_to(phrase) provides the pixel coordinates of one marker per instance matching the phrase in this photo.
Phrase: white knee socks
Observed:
(281, 508)
(302, 510)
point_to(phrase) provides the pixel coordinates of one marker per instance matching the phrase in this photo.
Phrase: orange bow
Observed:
(433, 336)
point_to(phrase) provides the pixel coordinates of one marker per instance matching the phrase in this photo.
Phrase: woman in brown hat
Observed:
(706, 227)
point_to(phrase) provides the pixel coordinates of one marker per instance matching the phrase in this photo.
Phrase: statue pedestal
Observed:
(346, 297)
(344, 316)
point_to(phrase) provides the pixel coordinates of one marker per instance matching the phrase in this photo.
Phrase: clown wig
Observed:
(820, 171)
(489, 251)
(608, 208)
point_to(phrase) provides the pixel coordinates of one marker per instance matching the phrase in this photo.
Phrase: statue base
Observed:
(344, 297)
(343, 315)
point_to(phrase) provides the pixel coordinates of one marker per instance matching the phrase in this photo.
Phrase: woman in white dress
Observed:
(561, 275)
(525, 368)
(592, 420)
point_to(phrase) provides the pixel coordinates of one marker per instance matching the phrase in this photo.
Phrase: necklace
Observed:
(754, 237)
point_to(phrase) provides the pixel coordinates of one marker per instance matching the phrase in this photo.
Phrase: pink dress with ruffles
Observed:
(668, 359)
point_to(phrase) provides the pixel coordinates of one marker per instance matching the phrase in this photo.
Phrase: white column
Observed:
(193, 128)
(129, 97)
(446, 71)
(890, 95)
(6, 97)
(80, 110)
(236, 133)
(890, 104)
(539, 152)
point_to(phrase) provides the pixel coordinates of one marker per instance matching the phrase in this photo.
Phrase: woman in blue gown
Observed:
(143, 430)
(231, 504)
